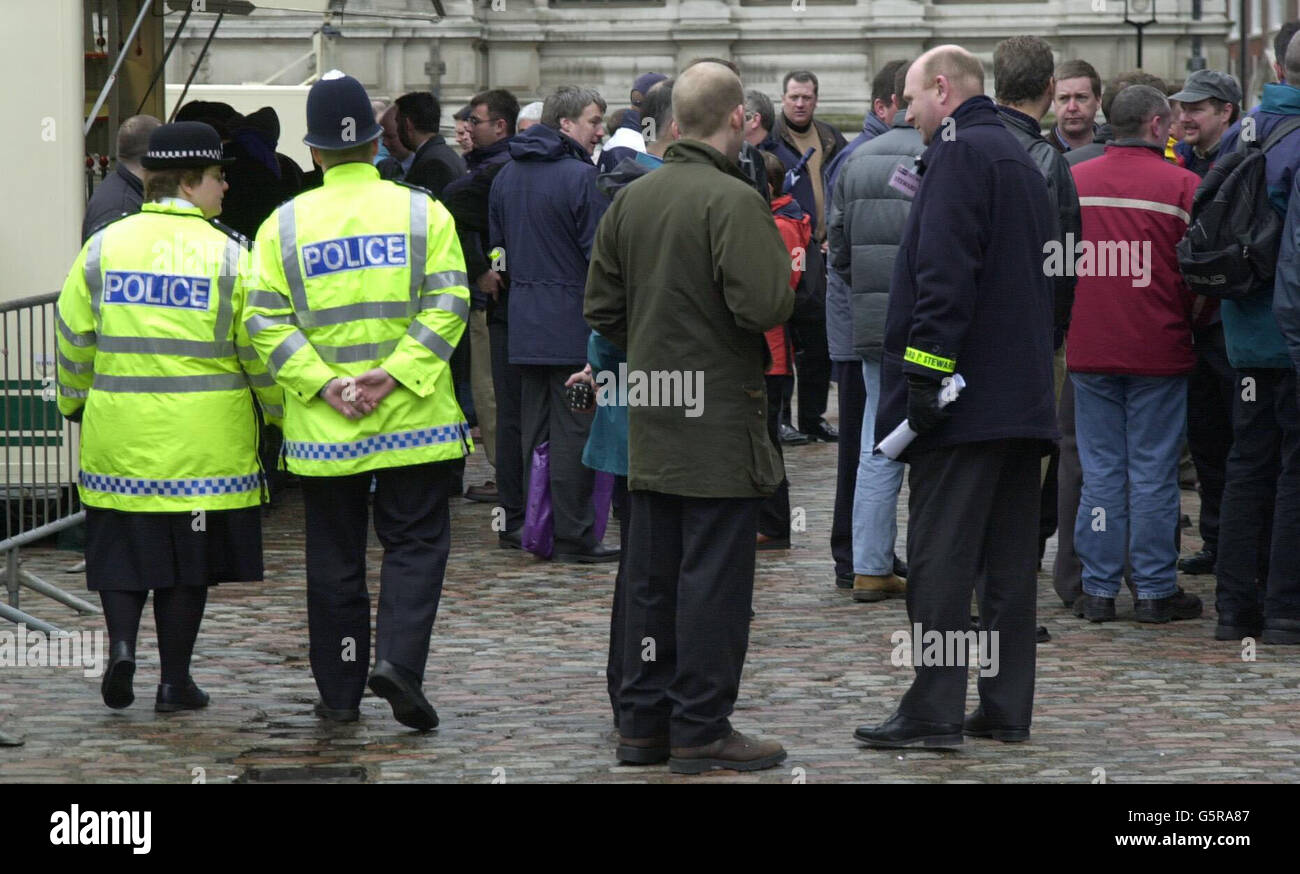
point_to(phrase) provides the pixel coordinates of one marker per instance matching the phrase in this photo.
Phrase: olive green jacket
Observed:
(687, 272)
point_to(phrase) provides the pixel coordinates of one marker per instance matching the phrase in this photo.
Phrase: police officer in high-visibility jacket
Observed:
(360, 300)
(157, 367)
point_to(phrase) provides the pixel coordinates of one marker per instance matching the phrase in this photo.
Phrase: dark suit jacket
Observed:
(436, 164)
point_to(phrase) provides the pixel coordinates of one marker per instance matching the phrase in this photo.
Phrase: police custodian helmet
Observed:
(339, 114)
(183, 144)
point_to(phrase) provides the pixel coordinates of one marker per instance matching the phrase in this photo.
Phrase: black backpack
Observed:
(1230, 249)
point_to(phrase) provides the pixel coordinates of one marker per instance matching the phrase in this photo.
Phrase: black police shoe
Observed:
(597, 554)
(116, 687)
(899, 731)
(1198, 563)
(1094, 608)
(347, 714)
(978, 725)
(180, 697)
(511, 539)
(790, 437)
(642, 750)
(1179, 605)
(1237, 628)
(410, 707)
(823, 432)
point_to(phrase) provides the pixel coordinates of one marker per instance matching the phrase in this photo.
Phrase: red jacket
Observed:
(796, 233)
(1137, 317)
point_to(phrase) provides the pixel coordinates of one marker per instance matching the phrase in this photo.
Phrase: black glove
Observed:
(923, 411)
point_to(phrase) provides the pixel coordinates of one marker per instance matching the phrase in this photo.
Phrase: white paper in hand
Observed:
(902, 436)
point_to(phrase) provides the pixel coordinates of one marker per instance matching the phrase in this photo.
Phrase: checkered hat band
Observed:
(378, 443)
(125, 485)
(171, 154)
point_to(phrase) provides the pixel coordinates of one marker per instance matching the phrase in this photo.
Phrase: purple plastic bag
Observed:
(602, 495)
(538, 533)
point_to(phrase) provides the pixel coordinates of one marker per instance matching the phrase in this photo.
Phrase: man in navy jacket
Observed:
(543, 211)
(970, 295)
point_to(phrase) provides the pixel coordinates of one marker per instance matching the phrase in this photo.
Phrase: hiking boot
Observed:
(733, 752)
(872, 588)
(1093, 608)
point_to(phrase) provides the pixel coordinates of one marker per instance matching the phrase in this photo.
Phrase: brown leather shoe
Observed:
(734, 752)
(872, 588)
(485, 493)
(642, 750)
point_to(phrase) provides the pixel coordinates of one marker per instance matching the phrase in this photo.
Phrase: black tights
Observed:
(177, 611)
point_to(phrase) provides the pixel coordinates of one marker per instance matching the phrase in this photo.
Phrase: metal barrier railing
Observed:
(40, 451)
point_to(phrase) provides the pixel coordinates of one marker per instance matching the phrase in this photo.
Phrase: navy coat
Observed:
(543, 210)
(969, 292)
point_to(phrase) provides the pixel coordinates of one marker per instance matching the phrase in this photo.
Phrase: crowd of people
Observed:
(707, 228)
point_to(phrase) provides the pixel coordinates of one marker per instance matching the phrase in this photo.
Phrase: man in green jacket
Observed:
(689, 305)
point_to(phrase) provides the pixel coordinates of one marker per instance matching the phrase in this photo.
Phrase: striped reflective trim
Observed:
(271, 300)
(94, 276)
(282, 353)
(926, 359)
(72, 392)
(261, 380)
(377, 309)
(418, 251)
(1136, 203)
(356, 352)
(274, 410)
(75, 366)
(246, 353)
(431, 341)
(378, 443)
(257, 323)
(226, 292)
(213, 485)
(170, 384)
(444, 280)
(83, 340)
(166, 346)
(450, 302)
(289, 255)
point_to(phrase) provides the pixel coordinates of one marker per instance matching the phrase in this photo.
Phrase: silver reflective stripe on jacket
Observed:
(356, 352)
(431, 341)
(289, 256)
(170, 384)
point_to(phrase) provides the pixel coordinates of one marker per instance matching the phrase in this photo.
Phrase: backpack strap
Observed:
(1280, 132)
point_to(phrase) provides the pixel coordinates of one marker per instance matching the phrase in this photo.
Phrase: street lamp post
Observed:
(1139, 14)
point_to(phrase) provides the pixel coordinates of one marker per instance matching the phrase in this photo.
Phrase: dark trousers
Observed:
(1209, 425)
(972, 527)
(774, 511)
(509, 451)
(1260, 528)
(690, 583)
(1067, 572)
(618, 613)
(460, 370)
(545, 416)
(812, 361)
(852, 390)
(413, 525)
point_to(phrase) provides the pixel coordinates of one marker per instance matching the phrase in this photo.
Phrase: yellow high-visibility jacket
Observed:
(153, 357)
(358, 274)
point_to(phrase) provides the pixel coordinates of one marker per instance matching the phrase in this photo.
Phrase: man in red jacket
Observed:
(1129, 352)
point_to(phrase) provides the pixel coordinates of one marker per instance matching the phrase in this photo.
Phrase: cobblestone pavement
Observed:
(517, 675)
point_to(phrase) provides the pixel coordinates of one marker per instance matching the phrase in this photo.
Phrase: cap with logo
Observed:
(1204, 84)
(183, 144)
(339, 114)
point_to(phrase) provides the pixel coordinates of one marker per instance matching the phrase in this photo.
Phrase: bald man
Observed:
(969, 296)
(677, 296)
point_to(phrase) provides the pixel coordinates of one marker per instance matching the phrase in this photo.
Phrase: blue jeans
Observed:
(1130, 432)
(875, 498)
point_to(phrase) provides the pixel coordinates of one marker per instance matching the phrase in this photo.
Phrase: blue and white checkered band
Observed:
(378, 443)
(213, 155)
(125, 485)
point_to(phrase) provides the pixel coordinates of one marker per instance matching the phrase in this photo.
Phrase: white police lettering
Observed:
(157, 289)
(354, 253)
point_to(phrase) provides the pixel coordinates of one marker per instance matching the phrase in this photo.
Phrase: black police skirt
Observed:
(136, 552)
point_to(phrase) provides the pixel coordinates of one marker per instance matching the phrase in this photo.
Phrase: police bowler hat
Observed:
(183, 144)
(339, 114)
